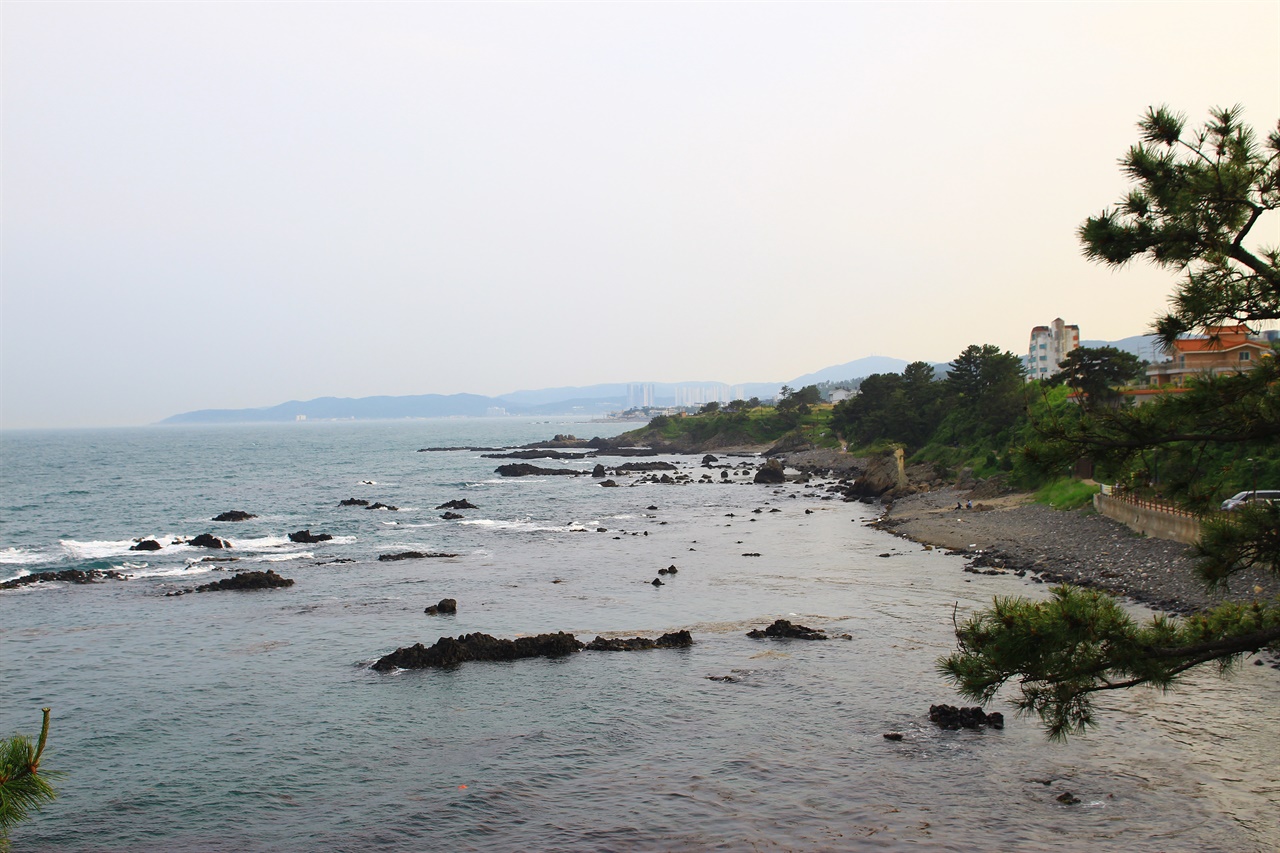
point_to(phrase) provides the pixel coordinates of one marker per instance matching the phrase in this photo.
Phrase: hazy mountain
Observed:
(1144, 347)
(584, 400)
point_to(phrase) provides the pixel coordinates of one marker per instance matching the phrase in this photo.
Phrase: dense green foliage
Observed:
(1094, 373)
(1079, 642)
(1193, 205)
(730, 426)
(24, 787)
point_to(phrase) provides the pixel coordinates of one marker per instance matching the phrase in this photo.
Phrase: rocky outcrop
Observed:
(306, 537)
(245, 580)
(674, 640)
(445, 605)
(646, 466)
(598, 471)
(412, 555)
(608, 484)
(208, 540)
(535, 454)
(462, 504)
(782, 629)
(523, 469)
(452, 516)
(234, 515)
(951, 717)
(771, 473)
(450, 651)
(380, 505)
(146, 545)
(353, 502)
(65, 576)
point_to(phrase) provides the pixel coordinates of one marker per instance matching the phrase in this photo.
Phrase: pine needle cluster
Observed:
(24, 787)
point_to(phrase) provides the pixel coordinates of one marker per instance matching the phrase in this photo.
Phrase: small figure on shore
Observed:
(968, 505)
(958, 506)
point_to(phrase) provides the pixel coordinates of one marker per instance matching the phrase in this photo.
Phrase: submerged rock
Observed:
(674, 640)
(66, 576)
(380, 505)
(412, 555)
(306, 537)
(462, 504)
(452, 516)
(524, 469)
(646, 466)
(208, 540)
(783, 629)
(234, 515)
(247, 580)
(951, 717)
(450, 651)
(608, 484)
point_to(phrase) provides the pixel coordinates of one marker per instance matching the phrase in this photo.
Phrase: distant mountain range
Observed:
(591, 400)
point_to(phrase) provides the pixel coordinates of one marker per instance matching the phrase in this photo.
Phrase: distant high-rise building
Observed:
(1049, 346)
(639, 395)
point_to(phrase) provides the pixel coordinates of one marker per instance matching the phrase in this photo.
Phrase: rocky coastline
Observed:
(1011, 534)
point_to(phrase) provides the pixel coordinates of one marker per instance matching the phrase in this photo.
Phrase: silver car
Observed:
(1261, 496)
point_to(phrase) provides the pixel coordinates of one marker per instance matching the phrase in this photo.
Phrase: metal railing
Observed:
(1146, 503)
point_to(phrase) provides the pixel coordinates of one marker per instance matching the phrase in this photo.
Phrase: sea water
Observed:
(252, 721)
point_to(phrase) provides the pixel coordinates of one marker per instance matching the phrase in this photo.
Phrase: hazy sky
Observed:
(213, 205)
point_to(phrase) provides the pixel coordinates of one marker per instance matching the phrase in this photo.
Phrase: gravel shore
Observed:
(1011, 533)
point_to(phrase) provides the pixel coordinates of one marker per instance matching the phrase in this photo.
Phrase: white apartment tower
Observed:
(639, 395)
(1049, 346)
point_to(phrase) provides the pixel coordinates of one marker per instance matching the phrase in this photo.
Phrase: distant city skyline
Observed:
(231, 205)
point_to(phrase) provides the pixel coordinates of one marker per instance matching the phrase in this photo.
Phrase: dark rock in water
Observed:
(1068, 799)
(535, 454)
(771, 473)
(65, 576)
(893, 735)
(412, 555)
(446, 605)
(355, 501)
(669, 570)
(674, 640)
(651, 507)
(752, 554)
(247, 580)
(234, 515)
(598, 471)
(306, 537)
(452, 516)
(951, 717)
(783, 629)
(657, 582)
(709, 460)
(646, 466)
(208, 540)
(462, 504)
(523, 469)
(449, 651)
(387, 507)
(146, 545)
(666, 479)
(608, 484)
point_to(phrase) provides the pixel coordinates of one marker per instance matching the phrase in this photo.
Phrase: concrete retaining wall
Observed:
(1150, 521)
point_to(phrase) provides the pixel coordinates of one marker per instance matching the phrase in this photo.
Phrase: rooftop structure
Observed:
(1049, 346)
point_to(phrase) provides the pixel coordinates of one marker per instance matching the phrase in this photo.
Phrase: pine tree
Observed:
(23, 786)
(1194, 207)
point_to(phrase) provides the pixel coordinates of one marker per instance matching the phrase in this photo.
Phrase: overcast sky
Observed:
(211, 205)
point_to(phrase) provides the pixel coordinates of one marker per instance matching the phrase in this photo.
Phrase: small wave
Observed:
(21, 574)
(100, 549)
(282, 558)
(23, 557)
(525, 526)
(260, 543)
(169, 571)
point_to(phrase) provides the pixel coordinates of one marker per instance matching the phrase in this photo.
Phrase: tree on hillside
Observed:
(1093, 372)
(984, 390)
(1195, 202)
(799, 400)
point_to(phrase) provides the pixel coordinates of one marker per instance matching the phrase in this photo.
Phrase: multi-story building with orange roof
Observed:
(1225, 349)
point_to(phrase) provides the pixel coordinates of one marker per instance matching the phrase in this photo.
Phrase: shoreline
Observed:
(1010, 534)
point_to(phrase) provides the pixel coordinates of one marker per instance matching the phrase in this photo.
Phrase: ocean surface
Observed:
(237, 721)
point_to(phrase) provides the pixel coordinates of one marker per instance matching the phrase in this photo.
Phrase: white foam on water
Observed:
(260, 543)
(23, 557)
(22, 573)
(145, 571)
(282, 558)
(525, 526)
(101, 549)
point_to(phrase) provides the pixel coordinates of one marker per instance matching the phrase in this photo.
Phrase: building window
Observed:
(1244, 355)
